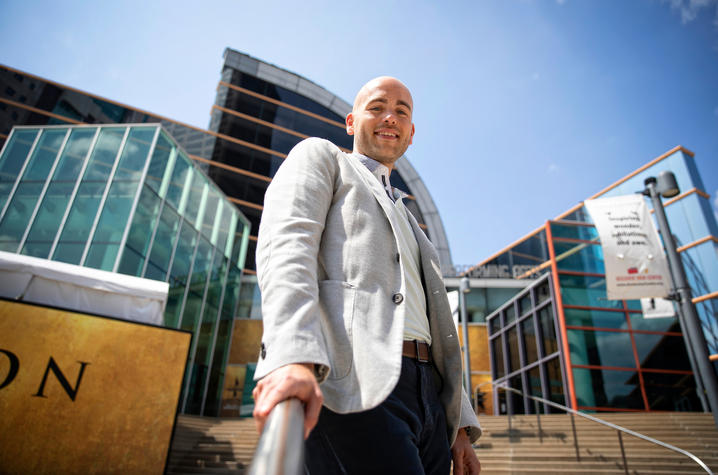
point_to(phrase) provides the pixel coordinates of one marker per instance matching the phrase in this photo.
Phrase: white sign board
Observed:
(635, 263)
(657, 308)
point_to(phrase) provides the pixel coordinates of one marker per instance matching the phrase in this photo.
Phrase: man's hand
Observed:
(293, 380)
(463, 455)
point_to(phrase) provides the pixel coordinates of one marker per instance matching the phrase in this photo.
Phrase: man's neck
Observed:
(390, 165)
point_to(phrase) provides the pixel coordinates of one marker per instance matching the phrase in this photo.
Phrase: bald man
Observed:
(357, 324)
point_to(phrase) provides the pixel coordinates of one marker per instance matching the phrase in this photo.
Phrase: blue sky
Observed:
(523, 108)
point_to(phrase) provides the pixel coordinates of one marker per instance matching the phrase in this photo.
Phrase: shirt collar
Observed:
(380, 170)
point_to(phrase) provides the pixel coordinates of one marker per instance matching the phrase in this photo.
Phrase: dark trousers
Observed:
(406, 434)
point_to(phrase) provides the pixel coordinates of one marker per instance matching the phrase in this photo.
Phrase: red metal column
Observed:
(561, 318)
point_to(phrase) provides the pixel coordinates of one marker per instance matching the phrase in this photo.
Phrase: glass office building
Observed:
(127, 199)
(612, 357)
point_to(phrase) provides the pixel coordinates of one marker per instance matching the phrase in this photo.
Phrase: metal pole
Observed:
(463, 289)
(538, 419)
(509, 411)
(280, 450)
(690, 316)
(575, 438)
(692, 357)
(623, 452)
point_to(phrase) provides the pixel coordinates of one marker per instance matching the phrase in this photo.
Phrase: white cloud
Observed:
(690, 9)
(560, 2)
(552, 167)
(535, 76)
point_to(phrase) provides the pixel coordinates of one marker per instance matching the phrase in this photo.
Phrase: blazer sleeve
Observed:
(295, 209)
(468, 418)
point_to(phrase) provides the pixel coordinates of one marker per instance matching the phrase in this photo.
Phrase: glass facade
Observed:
(484, 296)
(613, 350)
(614, 357)
(525, 353)
(127, 199)
(525, 260)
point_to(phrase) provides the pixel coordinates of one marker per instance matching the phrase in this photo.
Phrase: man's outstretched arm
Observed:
(295, 209)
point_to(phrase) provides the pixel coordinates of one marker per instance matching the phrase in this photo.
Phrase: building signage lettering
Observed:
(635, 263)
(14, 368)
(495, 271)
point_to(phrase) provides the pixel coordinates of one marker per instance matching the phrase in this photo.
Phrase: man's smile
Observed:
(386, 134)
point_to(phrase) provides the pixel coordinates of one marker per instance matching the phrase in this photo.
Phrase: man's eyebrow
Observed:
(384, 101)
(404, 103)
(377, 99)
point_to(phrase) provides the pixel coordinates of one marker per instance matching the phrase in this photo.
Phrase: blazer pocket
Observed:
(336, 301)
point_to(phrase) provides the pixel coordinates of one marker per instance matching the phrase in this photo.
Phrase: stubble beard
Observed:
(385, 155)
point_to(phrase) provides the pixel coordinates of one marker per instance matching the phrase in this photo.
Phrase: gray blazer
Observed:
(332, 286)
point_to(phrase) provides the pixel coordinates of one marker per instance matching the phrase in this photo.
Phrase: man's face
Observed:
(381, 120)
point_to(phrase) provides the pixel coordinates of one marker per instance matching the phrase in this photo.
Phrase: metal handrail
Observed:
(608, 424)
(280, 450)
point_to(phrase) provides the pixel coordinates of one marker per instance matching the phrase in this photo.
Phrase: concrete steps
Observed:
(212, 446)
(226, 446)
(596, 448)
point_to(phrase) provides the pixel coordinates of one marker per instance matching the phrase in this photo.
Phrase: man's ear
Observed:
(350, 123)
(411, 137)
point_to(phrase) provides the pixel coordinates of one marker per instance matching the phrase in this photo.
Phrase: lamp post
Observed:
(667, 187)
(465, 288)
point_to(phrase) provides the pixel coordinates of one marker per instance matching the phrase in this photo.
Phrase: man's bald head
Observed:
(380, 120)
(380, 81)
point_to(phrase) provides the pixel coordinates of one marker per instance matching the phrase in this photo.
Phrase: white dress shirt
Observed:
(416, 325)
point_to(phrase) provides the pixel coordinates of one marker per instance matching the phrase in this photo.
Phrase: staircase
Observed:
(596, 448)
(212, 446)
(226, 446)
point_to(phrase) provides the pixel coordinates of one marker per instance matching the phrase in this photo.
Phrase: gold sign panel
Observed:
(86, 394)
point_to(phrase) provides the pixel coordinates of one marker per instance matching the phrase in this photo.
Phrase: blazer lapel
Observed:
(377, 190)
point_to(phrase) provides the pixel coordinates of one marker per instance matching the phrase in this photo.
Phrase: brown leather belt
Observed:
(417, 350)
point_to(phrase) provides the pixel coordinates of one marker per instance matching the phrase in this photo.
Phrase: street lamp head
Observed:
(464, 285)
(667, 186)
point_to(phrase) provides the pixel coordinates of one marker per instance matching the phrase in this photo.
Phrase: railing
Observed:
(280, 450)
(619, 430)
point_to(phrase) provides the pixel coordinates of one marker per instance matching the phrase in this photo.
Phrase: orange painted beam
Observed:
(697, 243)
(561, 319)
(702, 298)
(283, 104)
(39, 111)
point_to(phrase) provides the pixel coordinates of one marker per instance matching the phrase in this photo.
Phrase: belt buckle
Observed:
(418, 355)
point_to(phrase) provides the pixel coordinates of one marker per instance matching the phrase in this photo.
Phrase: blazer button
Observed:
(397, 298)
(263, 351)
(397, 257)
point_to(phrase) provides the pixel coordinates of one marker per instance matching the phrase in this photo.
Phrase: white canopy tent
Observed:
(82, 289)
